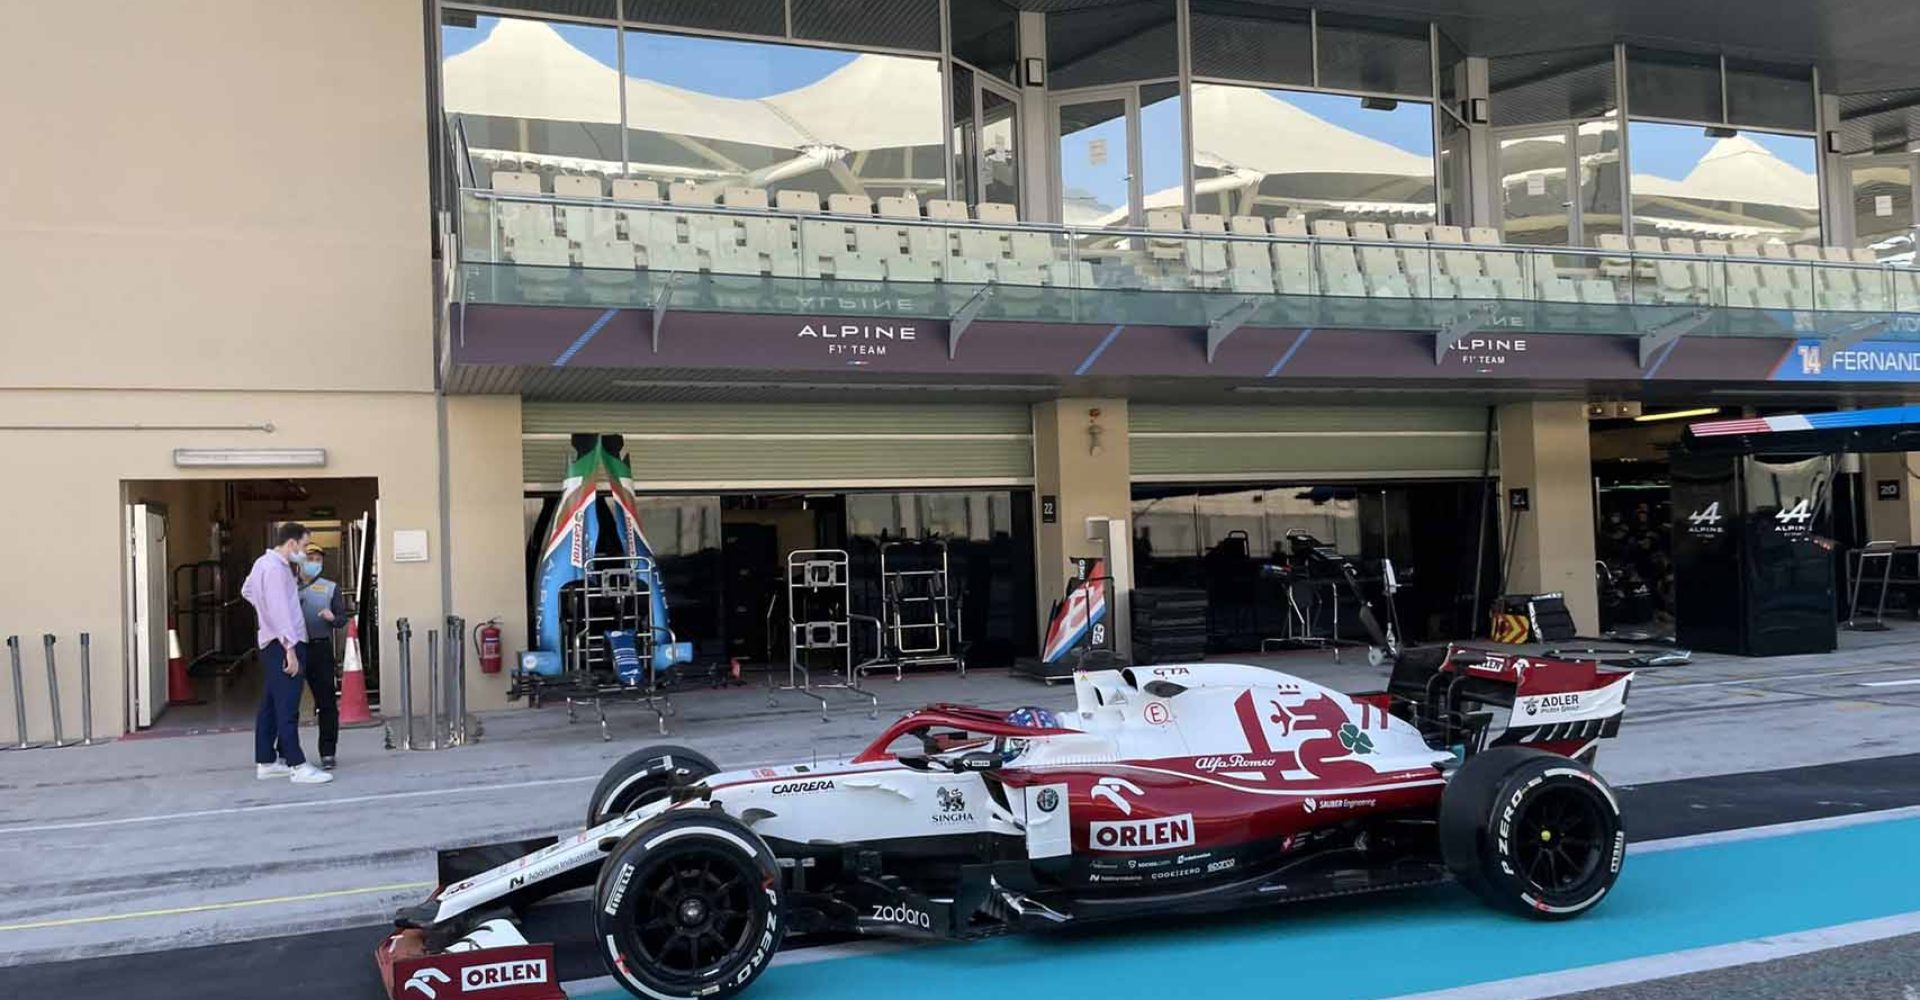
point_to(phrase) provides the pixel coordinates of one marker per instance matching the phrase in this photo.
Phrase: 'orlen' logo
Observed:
(1166, 833)
(423, 980)
(499, 975)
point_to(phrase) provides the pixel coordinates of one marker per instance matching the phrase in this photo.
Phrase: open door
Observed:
(146, 613)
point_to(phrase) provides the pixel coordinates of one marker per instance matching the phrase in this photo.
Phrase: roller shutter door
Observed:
(1263, 443)
(770, 446)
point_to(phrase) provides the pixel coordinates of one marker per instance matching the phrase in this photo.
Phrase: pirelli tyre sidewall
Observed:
(1486, 810)
(688, 839)
(641, 777)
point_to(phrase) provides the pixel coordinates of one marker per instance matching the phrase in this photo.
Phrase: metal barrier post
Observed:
(53, 692)
(19, 696)
(435, 691)
(403, 631)
(86, 691)
(457, 663)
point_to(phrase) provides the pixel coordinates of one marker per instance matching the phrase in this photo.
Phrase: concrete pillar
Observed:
(1544, 450)
(486, 547)
(1080, 463)
(1035, 143)
(1892, 520)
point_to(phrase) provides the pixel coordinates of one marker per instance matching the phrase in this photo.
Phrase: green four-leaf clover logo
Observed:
(1354, 740)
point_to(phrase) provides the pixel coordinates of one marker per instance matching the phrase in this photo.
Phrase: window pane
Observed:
(1673, 85)
(1452, 75)
(1456, 184)
(1534, 205)
(1093, 164)
(894, 24)
(966, 146)
(1883, 122)
(1883, 208)
(1383, 57)
(1599, 143)
(1233, 40)
(1769, 96)
(534, 97)
(568, 8)
(1113, 43)
(720, 112)
(1281, 152)
(1551, 87)
(1753, 186)
(999, 133)
(1161, 145)
(986, 34)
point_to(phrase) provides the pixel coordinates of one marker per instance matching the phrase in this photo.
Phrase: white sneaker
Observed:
(277, 769)
(307, 774)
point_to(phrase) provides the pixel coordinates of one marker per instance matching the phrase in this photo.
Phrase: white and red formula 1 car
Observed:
(1163, 789)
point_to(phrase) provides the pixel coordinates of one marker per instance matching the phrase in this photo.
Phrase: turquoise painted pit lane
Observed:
(1391, 944)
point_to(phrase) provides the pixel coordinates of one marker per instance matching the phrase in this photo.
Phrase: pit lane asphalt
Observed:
(337, 964)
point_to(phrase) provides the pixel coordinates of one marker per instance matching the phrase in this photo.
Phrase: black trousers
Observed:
(320, 674)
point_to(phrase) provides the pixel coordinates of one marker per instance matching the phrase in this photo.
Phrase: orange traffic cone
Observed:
(353, 682)
(179, 685)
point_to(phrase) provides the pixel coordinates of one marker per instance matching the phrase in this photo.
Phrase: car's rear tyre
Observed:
(644, 776)
(689, 905)
(1532, 832)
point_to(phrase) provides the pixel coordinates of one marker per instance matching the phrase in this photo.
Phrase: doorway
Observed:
(1116, 153)
(190, 545)
(1560, 185)
(1882, 190)
(986, 132)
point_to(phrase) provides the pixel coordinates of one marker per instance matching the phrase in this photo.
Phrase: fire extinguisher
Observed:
(486, 640)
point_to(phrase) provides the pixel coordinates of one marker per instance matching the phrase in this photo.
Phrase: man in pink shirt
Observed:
(282, 635)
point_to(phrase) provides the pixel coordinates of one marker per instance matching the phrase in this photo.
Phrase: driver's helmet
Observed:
(1032, 717)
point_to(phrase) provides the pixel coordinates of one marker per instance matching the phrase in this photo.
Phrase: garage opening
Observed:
(190, 544)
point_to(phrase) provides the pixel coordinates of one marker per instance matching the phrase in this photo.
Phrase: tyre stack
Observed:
(1169, 625)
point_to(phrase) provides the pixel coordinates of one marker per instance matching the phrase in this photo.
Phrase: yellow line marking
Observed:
(206, 907)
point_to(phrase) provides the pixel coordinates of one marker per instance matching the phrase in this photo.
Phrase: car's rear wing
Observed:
(1560, 705)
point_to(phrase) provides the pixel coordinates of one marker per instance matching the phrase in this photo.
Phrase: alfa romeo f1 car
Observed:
(1165, 789)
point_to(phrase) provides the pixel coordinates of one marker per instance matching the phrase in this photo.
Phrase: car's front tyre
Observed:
(1532, 832)
(643, 776)
(689, 905)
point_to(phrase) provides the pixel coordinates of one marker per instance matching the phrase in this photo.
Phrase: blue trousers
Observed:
(278, 723)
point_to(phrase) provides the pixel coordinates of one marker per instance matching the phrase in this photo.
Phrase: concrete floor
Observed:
(158, 844)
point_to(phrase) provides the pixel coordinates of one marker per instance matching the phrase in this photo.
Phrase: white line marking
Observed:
(1680, 963)
(303, 804)
(800, 956)
(1890, 684)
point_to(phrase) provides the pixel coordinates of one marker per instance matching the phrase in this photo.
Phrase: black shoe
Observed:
(328, 763)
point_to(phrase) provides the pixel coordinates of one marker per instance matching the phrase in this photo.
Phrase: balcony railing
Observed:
(543, 249)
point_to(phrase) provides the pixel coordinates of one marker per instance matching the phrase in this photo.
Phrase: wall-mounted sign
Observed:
(1520, 498)
(1883, 205)
(409, 545)
(1049, 508)
(1887, 489)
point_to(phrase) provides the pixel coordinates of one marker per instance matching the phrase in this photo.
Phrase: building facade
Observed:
(840, 274)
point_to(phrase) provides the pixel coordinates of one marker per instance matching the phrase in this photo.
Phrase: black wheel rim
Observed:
(694, 912)
(1560, 840)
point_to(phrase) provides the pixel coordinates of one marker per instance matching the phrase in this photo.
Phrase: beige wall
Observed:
(62, 535)
(489, 528)
(215, 193)
(1089, 475)
(211, 195)
(1544, 448)
(1892, 520)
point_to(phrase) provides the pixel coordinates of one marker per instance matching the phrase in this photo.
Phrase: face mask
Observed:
(310, 568)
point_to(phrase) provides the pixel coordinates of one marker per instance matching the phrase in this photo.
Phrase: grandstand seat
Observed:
(1207, 258)
(595, 230)
(1796, 282)
(1747, 285)
(969, 253)
(1380, 264)
(1339, 268)
(1249, 264)
(1292, 256)
(924, 257)
(528, 232)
